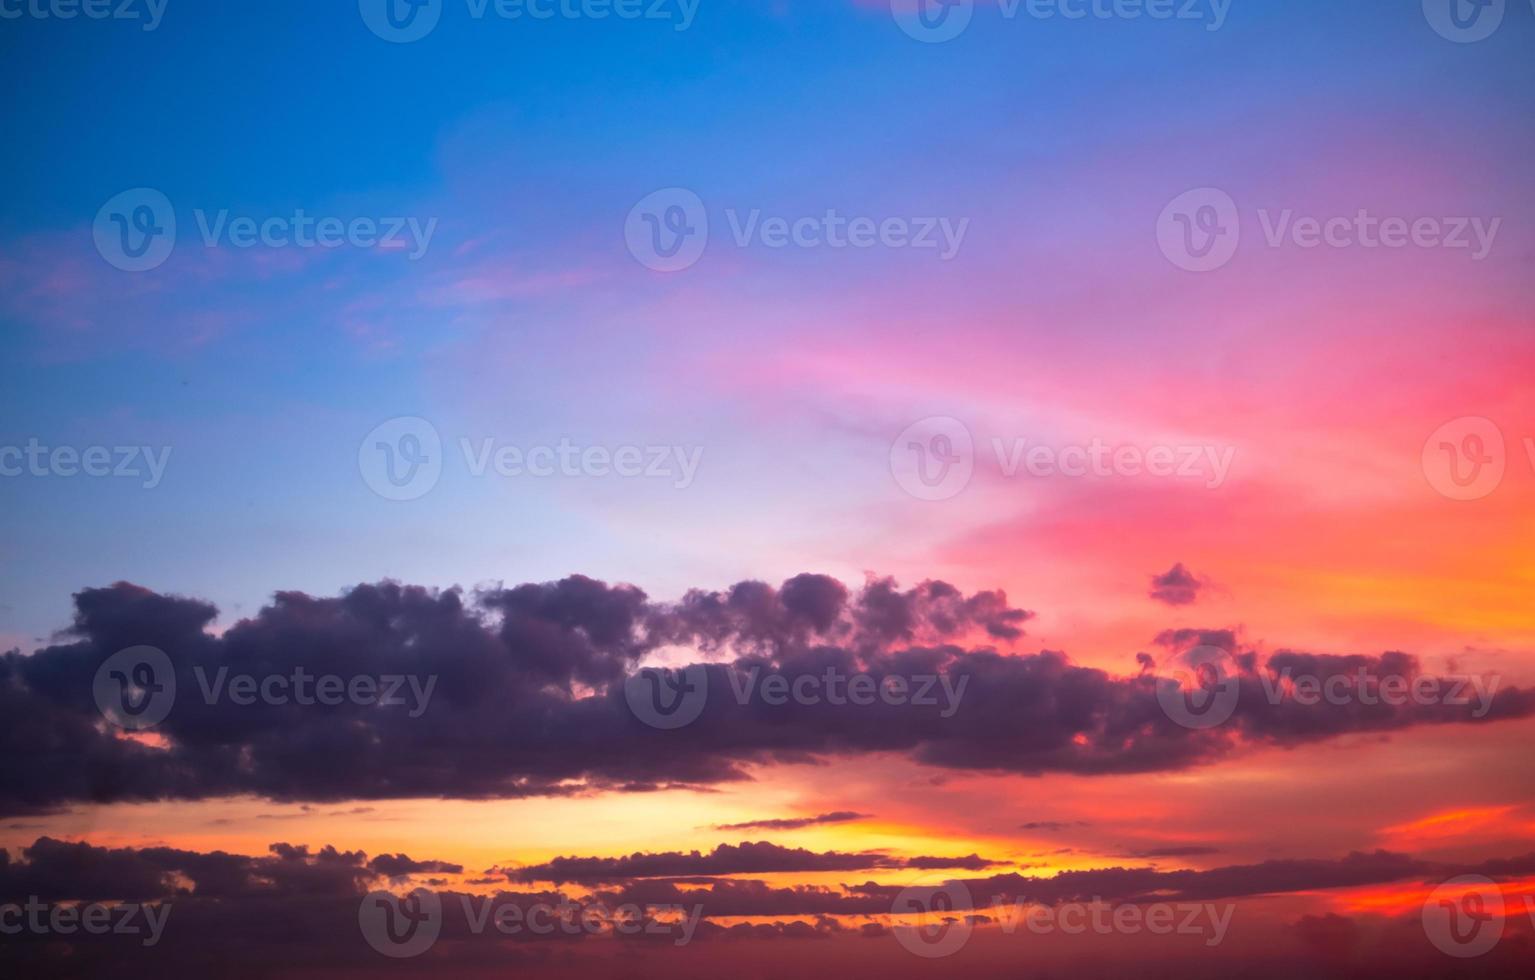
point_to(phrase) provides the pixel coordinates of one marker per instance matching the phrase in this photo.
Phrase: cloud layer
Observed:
(528, 694)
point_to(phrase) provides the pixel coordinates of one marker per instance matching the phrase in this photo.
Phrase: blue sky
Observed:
(527, 143)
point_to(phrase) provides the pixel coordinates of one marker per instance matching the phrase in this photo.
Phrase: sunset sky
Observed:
(1351, 492)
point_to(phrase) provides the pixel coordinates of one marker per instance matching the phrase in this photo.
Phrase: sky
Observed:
(1069, 360)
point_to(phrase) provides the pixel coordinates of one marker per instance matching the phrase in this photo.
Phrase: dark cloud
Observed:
(528, 697)
(761, 857)
(296, 908)
(1174, 852)
(398, 865)
(794, 823)
(1177, 586)
(969, 862)
(1051, 826)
